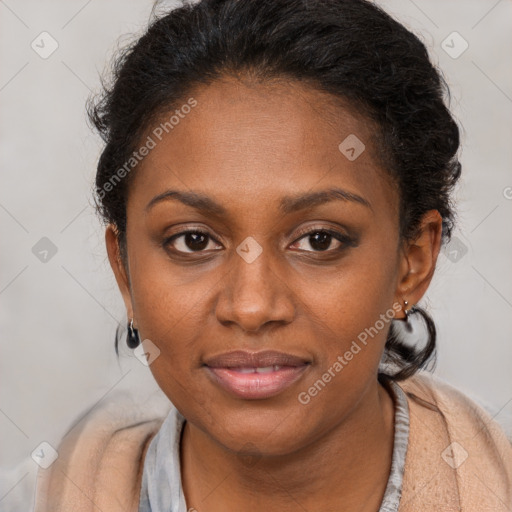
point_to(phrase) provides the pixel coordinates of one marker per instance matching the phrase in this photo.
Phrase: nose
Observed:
(255, 294)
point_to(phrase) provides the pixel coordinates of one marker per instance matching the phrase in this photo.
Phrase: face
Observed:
(274, 239)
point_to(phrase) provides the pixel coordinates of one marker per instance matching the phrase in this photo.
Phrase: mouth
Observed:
(257, 375)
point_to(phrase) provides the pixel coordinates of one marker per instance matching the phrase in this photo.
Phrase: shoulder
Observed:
(457, 451)
(100, 457)
(461, 414)
(457, 406)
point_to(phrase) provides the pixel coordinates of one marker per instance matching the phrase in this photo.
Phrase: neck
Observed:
(348, 465)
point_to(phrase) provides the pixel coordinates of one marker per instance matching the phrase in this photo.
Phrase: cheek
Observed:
(170, 313)
(354, 311)
(172, 307)
(166, 298)
(171, 316)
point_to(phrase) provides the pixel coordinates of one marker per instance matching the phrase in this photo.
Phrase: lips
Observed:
(256, 375)
(264, 359)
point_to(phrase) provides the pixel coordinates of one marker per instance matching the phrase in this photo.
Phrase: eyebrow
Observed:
(292, 204)
(288, 204)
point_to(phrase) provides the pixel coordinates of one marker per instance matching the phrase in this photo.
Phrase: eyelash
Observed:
(340, 237)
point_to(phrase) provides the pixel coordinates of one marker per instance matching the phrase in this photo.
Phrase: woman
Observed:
(276, 183)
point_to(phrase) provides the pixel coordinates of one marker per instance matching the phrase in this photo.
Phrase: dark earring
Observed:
(408, 312)
(132, 337)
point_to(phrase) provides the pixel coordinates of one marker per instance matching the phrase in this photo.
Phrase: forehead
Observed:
(245, 143)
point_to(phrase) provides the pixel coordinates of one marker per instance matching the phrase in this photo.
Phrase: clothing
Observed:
(161, 480)
(393, 492)
(458, 457)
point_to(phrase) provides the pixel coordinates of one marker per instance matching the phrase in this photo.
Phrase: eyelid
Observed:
(184, 229)
(336, 232)
(171, 239)
(314, 228)
(340, 236)
(304, 231)
(190, 229)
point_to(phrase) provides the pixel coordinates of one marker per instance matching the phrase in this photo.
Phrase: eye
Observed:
(318, 239)
(321, 240)
(189, 242)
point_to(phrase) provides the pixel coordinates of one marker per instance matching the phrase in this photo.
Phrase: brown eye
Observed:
(189, 241)
(322, 240)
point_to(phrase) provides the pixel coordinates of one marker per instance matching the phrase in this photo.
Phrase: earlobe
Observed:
(118, 267)
(419, 260)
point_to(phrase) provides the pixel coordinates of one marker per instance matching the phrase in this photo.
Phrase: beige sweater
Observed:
(458, 458)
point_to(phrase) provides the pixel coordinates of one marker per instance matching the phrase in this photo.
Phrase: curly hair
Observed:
(350, 49)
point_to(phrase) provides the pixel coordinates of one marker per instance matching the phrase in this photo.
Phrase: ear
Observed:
(418, 260)
(120, 272)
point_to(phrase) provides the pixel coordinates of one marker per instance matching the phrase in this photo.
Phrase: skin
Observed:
(247, 146)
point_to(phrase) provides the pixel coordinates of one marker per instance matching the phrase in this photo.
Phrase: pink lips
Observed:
(256, 375)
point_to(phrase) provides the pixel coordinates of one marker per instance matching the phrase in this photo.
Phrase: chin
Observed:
(269, 433)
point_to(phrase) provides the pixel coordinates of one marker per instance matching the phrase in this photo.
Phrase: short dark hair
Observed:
(350, 49)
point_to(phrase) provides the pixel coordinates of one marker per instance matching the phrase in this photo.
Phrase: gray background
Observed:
(58, 317)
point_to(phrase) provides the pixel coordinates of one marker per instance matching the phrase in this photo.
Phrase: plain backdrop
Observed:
(60, 308)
